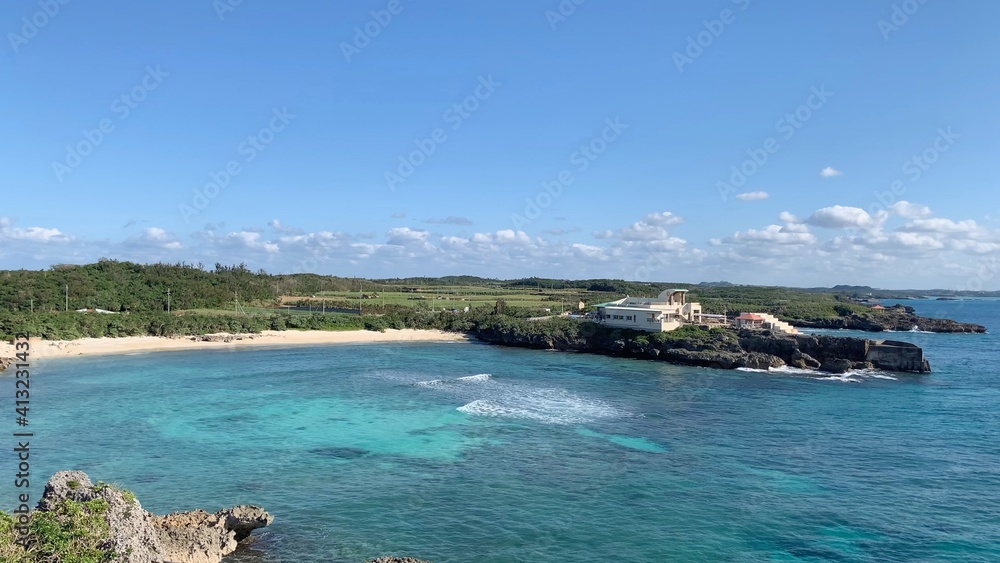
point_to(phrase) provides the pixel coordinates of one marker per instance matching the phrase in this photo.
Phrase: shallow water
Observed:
(461, 452)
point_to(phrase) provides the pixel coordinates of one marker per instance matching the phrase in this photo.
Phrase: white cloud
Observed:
(404, 236)
(29, 234)
(910, 210)
(752, 196)
(830, 172)
(279, 227)
(651, 227)
(506, 237)
(156, 234)
(939, 225)
(775, 234)
(842, 217)
(787, 217)
(924, 252)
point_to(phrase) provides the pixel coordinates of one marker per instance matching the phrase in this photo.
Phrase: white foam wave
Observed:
(844, 377)
(551, 406)
(796, 371)
(852, 376)
(881, 376)
(477, 377)
(429, 383)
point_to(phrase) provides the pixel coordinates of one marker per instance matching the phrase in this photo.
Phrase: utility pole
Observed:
(67, 298)
(32, 306)
(168, 300)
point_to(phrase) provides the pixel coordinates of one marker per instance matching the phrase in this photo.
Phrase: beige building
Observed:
(668, 311)
(764, 321)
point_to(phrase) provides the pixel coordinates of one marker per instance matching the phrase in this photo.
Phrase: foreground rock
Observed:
(6, 363)
(140, 537)
(720, 348)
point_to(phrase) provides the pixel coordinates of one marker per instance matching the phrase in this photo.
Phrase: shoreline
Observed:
(44, 349)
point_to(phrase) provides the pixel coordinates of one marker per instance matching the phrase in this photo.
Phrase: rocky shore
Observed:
(126, 533)
(723, 348)
(898, 318)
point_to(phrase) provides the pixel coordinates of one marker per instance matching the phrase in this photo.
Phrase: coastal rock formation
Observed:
(723, 348)
(896, 318)
(226, 338)
(6, 363)
(140, 537)
(837, 354)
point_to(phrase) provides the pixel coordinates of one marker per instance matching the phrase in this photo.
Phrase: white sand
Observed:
(267, 338)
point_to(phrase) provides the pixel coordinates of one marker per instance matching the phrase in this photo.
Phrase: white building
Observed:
(668, 311)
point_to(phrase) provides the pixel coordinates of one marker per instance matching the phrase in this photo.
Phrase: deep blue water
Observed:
(369, 450)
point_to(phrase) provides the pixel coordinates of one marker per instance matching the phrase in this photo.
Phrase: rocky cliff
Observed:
(133, 535)
(896, 318)
(725, 349)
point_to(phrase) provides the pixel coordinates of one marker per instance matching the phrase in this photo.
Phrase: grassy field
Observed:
(449, 297)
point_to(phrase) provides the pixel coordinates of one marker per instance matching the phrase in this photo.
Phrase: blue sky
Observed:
(397, 138)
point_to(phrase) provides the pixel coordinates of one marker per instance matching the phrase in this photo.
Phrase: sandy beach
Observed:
(267, 338)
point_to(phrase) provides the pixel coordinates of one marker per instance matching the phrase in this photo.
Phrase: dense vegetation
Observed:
(236, 299)
(72, 532)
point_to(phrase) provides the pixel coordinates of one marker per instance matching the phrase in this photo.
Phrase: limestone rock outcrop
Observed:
(140, 537)
(723, 348)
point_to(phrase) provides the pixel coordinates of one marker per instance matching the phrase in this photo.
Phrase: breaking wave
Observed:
(853, 376)
(477, 377)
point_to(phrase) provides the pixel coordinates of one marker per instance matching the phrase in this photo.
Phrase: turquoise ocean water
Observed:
(468, 452)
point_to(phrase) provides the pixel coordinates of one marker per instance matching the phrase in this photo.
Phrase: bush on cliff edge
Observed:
(74, 532)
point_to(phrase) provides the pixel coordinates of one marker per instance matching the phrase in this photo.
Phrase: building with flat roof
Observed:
(668, 311)
(763, 321)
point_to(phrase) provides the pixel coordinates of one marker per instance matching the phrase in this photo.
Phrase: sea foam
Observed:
(477, 377)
